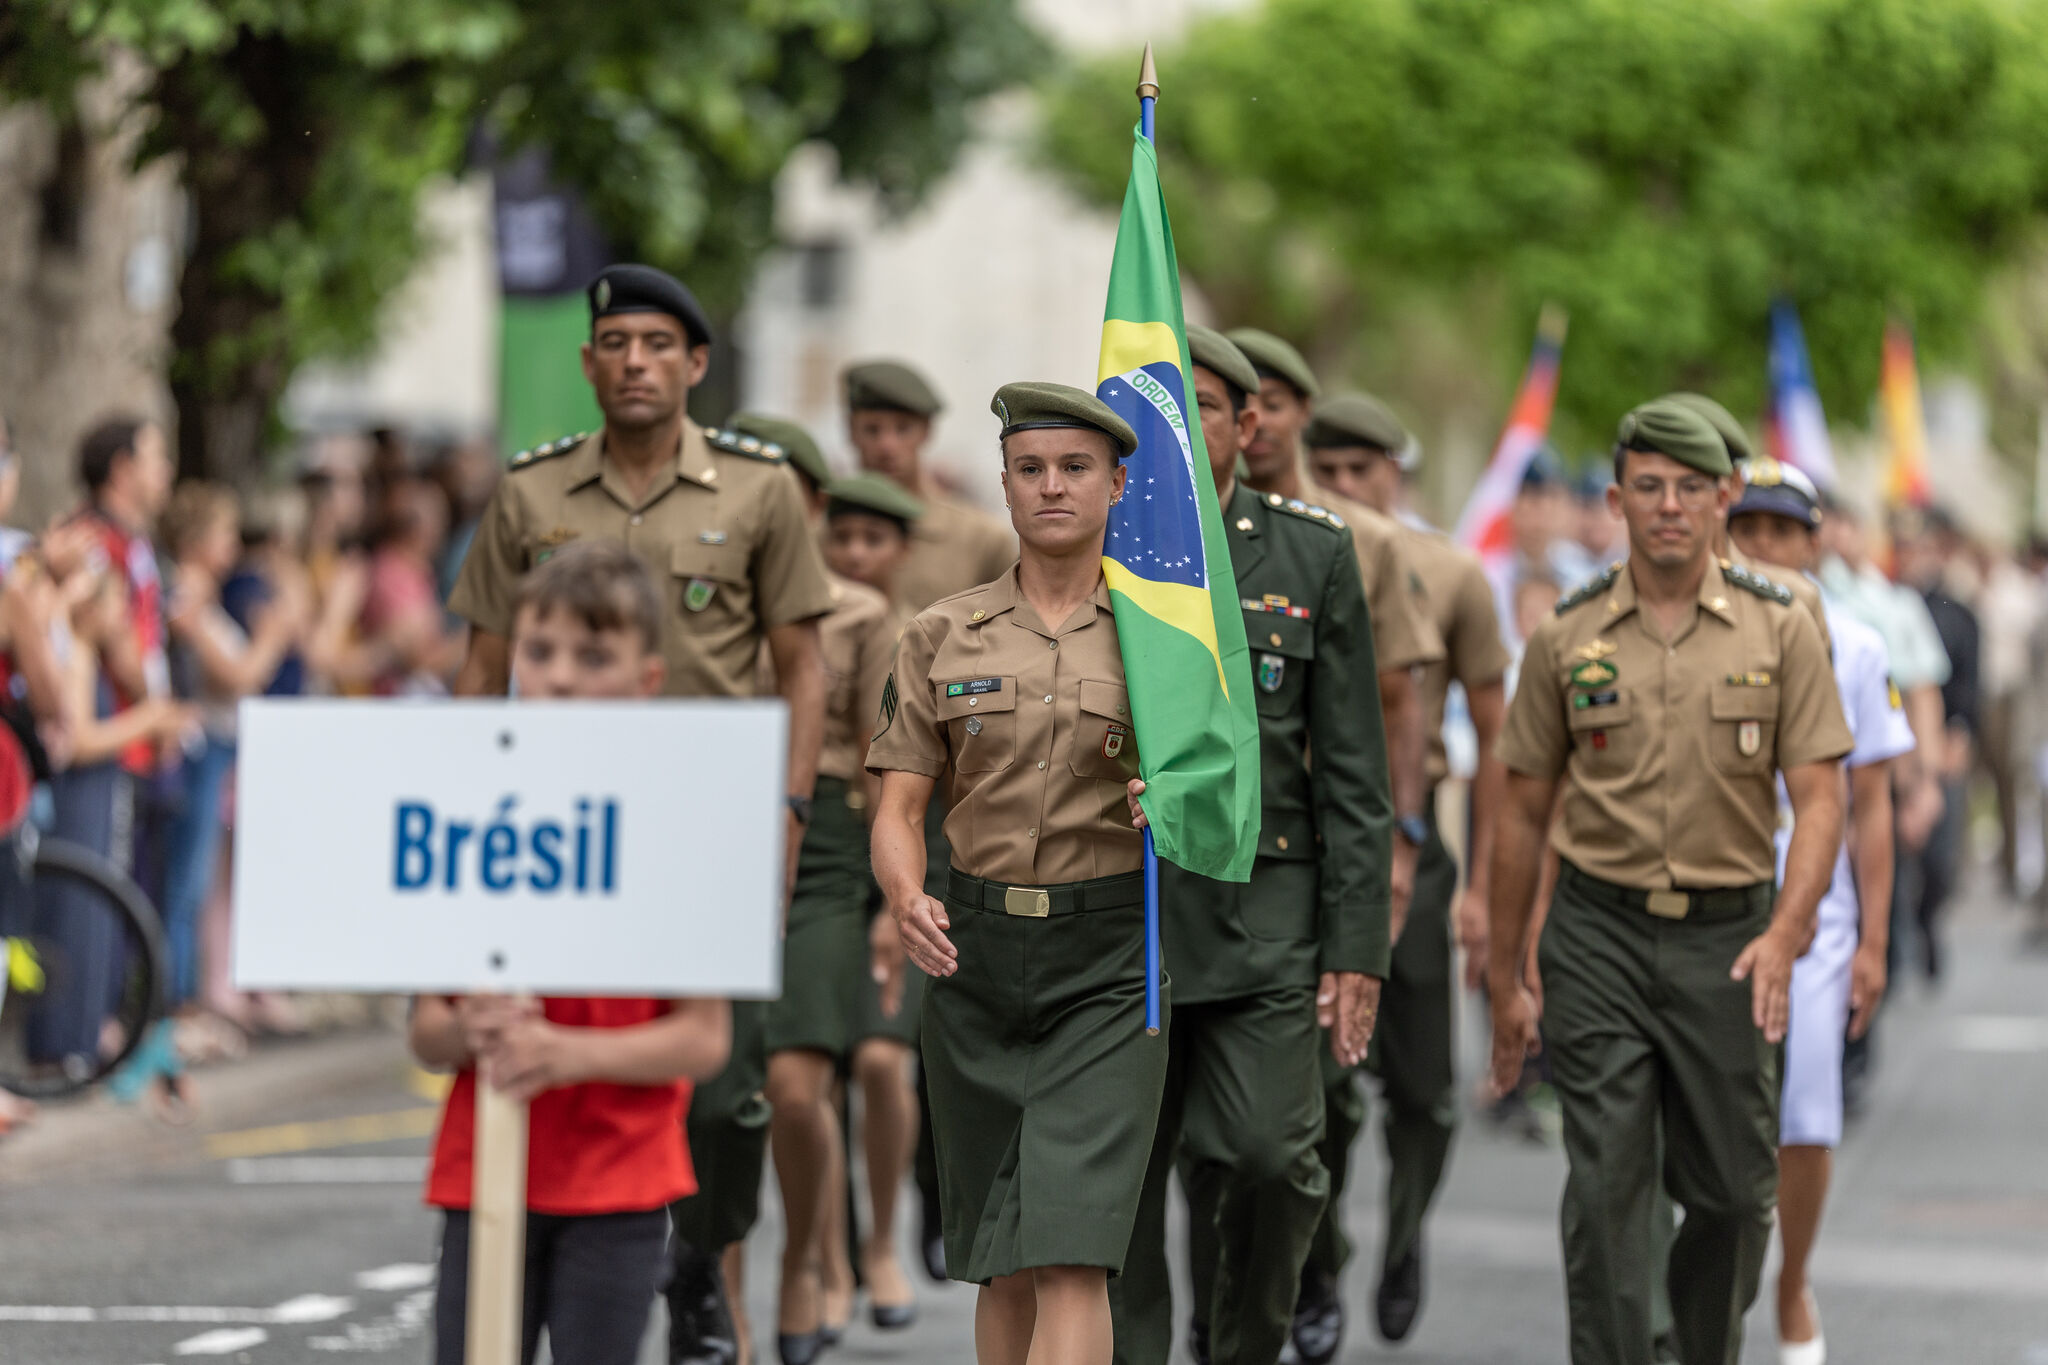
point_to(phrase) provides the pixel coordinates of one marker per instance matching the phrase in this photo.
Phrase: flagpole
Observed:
(1148, 96)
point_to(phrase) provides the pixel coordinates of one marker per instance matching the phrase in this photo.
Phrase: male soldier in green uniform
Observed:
(720, 518)
(1354, 444)
(1665, 697)
(1256, 968)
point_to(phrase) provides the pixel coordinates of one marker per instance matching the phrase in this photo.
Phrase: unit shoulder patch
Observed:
(1750, 581)
(549, 450)
(752, 447)
(1587, 591)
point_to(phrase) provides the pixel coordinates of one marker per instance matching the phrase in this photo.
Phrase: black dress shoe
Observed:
(700, 1330)
(1198, 1341)
(932, 1239)
(799, 1348)
(893, 1317)
(1318, 1328)
(1399, 1301)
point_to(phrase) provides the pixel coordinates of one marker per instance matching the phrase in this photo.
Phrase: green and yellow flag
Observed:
(1168, 568)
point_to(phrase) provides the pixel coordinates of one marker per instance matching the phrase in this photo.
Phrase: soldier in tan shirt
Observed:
(1045, 1088)
(889, 412)
(1354, 446)
(1665, 698)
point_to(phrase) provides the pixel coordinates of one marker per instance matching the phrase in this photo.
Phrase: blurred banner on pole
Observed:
(1483, 525)
(1905, 424)
(1796, 431)
(548, 249)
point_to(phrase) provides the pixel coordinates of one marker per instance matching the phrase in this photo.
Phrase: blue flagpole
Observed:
(1148, 96)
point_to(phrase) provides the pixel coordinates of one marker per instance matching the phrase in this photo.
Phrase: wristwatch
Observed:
(800, 807)
(1414, 829)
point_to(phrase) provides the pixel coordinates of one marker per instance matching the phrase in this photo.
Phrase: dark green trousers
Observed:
(1244, 1110)
(1646, 1031)
(728, 1130)
(1412, 1054)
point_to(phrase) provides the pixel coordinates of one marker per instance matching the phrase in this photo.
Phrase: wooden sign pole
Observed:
(497, 1229)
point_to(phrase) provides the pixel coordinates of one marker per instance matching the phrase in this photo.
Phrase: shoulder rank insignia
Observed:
(753, 447)
(1752, 582)
(1586, 592)
(552, 448)
(1307, 511)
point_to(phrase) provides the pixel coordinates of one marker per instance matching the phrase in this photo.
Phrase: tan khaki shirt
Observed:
(1669, 750)
(953, 547)
(1402, 632)
(858, 641)
(1460, 602)
(1803, 589)
(1028, 729)
(726, 537)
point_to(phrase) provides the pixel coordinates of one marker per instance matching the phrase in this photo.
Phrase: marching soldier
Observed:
(720, 519)
(1664, 697)
(1257, 968)
(1354, 445)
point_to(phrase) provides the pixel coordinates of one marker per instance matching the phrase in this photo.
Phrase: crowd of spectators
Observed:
(131, 628)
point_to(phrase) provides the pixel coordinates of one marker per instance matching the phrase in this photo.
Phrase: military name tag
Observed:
(711, 537)
(1749, 737)
(1588, 699)
(1272, 668)
(976, 687)
(699, 593)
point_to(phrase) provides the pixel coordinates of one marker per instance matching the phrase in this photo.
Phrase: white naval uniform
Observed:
(1811, 1114)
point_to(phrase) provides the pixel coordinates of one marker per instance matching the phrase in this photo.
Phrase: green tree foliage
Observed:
(305, 129)
(1664, 168)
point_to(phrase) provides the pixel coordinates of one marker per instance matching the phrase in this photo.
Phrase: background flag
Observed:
(1898, 394)
(1796, 430)
(1168, 567)
(1483, 525)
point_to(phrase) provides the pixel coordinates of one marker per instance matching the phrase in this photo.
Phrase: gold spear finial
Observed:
(1148, 76)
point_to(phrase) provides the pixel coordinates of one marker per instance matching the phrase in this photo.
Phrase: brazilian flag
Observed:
(1168, 569)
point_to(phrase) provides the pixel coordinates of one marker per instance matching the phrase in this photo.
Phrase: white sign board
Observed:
(567, 848)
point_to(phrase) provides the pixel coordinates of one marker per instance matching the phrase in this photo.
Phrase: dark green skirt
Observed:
(1045, 1088)
(827, 942)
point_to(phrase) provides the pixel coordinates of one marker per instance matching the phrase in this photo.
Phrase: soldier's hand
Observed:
(1867, 978)
(1767, 965)
(1348, 1005)
(1475, 932)
(922, 923)
(885, 949)
(1132, 792)
(1402, 877)
(1515, 1038)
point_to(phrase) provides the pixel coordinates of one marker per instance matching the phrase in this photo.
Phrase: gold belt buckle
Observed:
(1028, 901)
(1668, 904)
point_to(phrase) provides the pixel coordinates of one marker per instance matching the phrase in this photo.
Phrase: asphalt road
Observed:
(288, 1227)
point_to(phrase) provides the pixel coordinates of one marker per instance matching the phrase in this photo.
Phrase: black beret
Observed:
(890, 384)
(1270, 355)
(1665, 427)
(643, 289)
(1219, 355)
(795, 442)
(1030, 406)
(1355, 419)
(875, 494)
(1721, 420)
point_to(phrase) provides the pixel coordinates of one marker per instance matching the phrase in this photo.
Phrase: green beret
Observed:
(1270, 355)
(875, 494)
(796, 443)
(1669, 428)
(1355, 419)
(890, 384)
(1215, 353)
(1722, 420)
(1030, 406)
(643, 289)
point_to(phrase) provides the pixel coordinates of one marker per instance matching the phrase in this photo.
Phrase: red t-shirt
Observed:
(591, 1148)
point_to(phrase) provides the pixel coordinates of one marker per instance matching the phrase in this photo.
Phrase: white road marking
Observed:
(1999, 1033)
(303, 1309)
(327, 1170)
(225, 1341)
(36, 1312)
(312, 1308)
(391, 1278)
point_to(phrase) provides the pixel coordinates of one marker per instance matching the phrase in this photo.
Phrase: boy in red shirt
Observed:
(608, 1079)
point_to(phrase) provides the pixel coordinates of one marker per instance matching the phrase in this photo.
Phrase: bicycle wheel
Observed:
(83, 972)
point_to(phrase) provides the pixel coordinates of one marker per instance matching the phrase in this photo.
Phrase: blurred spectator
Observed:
(468, 474)
(1539, 520)
(13, 540)
(1595, 540)
(2009, 611)
(402, 608)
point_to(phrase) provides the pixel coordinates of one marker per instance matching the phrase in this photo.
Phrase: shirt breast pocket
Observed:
(1603, 728)
(1283, 649)
(706, 575)
(981, 727)
(1104, 747)
(1744, 742)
